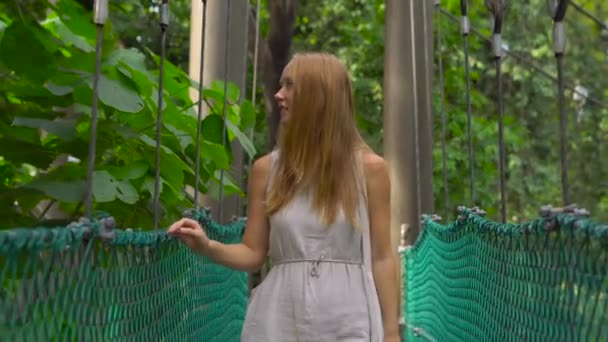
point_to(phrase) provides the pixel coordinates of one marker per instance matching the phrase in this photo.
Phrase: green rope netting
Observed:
(91, 282)
(477, 280)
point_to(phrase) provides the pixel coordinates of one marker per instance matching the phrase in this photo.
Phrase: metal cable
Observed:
(563, 130)
(239, 207)
(100, 15)
(464, 30)
(527, 62)
(200, 104)
(442, 112)
(558, 11)
(224, 133)
(164, 24)
(588, 14)
(416, 126)
(254, 85)
(501, 143)
(496, 8)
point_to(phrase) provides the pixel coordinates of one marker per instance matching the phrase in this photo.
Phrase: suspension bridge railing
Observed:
(477, 280)
(92, 282)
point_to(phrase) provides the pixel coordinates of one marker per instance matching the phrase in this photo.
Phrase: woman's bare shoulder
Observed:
(261, 166)
(374, 164)
(376, 172)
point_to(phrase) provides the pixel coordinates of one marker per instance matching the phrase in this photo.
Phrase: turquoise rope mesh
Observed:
(86, 282)
(477, 280)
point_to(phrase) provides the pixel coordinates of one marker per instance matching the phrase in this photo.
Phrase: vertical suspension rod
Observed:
(557, 10)
(255, 79)
(501, 141)
(224, 132)
(465, 27)
(164, 24)
(100, 16)
(200, 106)
(444, 154)
(416, 121)
(496, 8)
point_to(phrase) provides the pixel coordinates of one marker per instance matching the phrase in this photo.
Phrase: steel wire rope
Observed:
(557, 11)
(464, 31)
(416, 123)
(528, 62)
(497, 8)
(224, 132)
(164, 24)
(254, 85)
(200, 103)
(446, 192)
(100, 16)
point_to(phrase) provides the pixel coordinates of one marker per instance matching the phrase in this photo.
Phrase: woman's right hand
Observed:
(190, 233)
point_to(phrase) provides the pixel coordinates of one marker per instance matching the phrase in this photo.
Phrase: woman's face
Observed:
(284, 96)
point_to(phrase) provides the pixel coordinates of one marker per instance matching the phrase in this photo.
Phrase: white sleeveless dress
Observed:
(320, 287)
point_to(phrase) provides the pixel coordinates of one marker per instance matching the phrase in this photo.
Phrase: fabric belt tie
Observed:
(316, 262)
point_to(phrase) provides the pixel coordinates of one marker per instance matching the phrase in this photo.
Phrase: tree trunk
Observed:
(274, 54)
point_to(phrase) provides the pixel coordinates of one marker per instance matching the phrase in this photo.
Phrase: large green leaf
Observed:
(117, 95)
(172, 168)
(243, 139)
(213, 96)
(62, 84)
(212, 141)
(183, 137)
(24, 152)
(140, 121)
(133, 59)
(61, 190)
(133, 170)
(232, 90)
(228, 183)
(76, 19)
(64, 129)
(106, 188)
(22, 52)
(144, 84)
(26, 134)
(216, 153)
(212, 128)
(176, 81)
(67, 36)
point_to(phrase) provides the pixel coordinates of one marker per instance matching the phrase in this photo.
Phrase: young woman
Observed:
(319, 205)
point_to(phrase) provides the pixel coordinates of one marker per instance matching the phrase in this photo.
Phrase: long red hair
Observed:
(319, 145)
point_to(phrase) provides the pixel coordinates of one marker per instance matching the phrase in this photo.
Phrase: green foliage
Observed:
(46, 68)
(54, 98)
(530, 108)
(354, 31)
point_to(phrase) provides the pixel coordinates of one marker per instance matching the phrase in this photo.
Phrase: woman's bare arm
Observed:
(251, 253)
(384, 265)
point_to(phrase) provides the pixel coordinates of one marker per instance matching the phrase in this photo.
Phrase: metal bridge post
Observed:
(408, 121)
